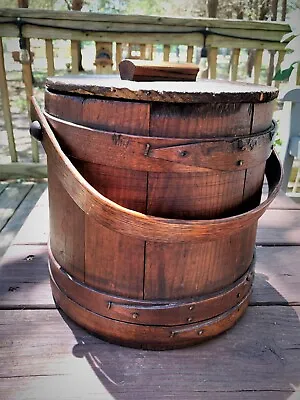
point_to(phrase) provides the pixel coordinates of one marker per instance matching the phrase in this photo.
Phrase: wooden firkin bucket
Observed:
(154, 192)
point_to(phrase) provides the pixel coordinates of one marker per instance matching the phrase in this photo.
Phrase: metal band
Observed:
(158, 154)
(148, 336)
(146, 312)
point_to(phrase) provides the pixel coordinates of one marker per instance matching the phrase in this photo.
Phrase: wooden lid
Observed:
(201, 91)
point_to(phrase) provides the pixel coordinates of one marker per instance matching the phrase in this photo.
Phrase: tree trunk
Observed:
(283, 10)
(274, 7)
(212, 8)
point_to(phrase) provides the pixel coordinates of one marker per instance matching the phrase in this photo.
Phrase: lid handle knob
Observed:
(145, 70)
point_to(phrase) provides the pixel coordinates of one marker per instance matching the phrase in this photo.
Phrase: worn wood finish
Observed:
(203, 91)
(159, 154)
(114, 263)
(272, 283)
(145, 70)
(148, 336)
(144, 312)
(211, 194)
(179, 246)
(200, 120)
(67, 228)
(47, 350)
(144, 20)
(112, 372)
(253, 187)
(139, 225)
(177, 270)
(262, 116)
(128, 117)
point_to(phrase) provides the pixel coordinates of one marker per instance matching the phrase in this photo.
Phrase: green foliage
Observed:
(293, 47)
(284, 74)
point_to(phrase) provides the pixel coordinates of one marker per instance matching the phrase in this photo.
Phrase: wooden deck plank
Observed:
(24, 281)
(3, 185)
(282, 202)
(36, 227)
(62, 387)
(261, 353)
(279, 227)
(18, 218)
(10, 199)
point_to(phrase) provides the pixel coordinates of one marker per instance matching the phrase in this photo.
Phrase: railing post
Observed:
(6, 107)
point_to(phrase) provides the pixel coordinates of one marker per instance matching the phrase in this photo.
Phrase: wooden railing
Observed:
(118, 36)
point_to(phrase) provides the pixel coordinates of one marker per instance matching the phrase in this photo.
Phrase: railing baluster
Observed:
(151, 52)
(257, 64)
(129, 50)
(298, 75)
(190, 52)
(75, 56)
(142, 51)
(6, 108)
(234, 64)
(212, 62)
(27, 79)
(50, 57)
(118, 54)
(281, 54)
(103, 57)
(270, 72)
(167, 49)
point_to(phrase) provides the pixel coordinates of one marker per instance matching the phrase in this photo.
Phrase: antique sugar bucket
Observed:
(154, 192)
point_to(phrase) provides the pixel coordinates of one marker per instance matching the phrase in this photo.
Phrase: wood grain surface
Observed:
(202, 91)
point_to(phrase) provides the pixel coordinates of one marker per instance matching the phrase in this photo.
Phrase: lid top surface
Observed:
(203, 90)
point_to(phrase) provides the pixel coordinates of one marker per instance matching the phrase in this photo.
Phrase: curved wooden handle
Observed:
(136, 224)
(145, 70)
